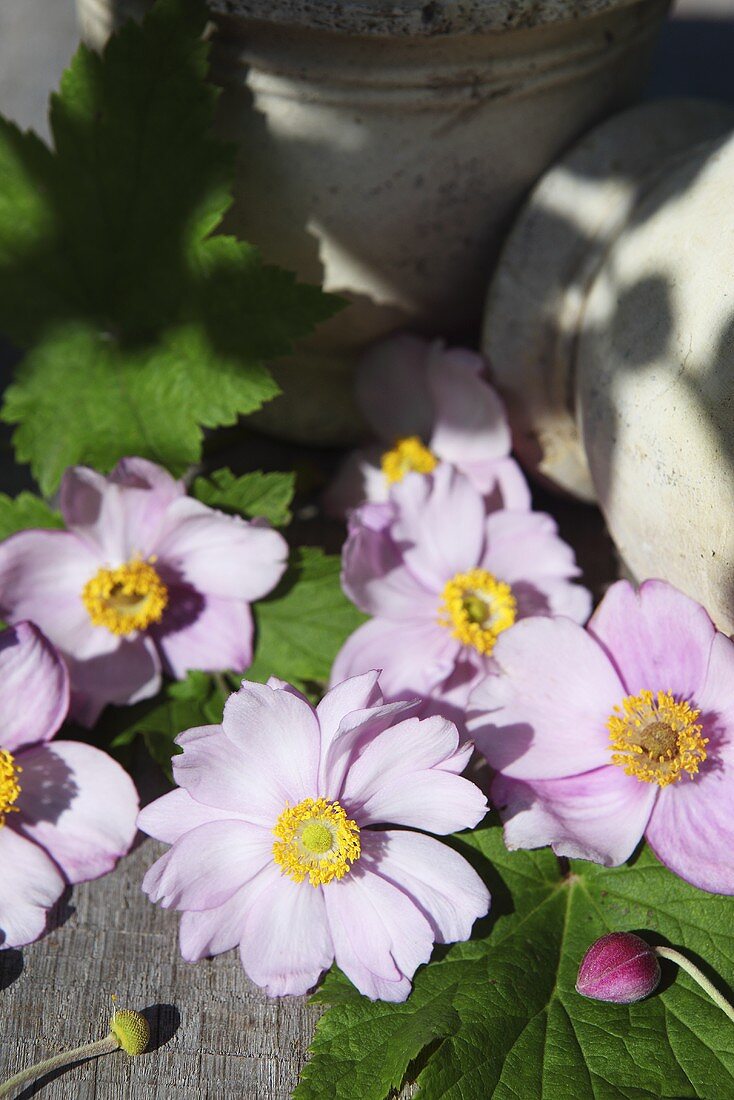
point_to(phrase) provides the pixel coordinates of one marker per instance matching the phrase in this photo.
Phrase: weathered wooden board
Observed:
(217, 1035)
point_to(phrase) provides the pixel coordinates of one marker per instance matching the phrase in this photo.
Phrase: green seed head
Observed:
(131, 1031)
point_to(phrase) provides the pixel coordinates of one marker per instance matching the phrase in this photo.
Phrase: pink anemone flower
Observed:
(443, 580)
(279, 842)
(143, 578)
(428, 404)
(67, 810)
(624, 730)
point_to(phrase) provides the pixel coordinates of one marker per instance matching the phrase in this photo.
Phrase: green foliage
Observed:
(25, 510)
(498, 1018)
(143, 328)
(252, 494)
(302, 625)
(196, 701)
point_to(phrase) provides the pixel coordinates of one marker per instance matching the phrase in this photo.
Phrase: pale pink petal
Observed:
(34, 687)
(176, 813)
(439, 525)
(355, 730)
(391, 388)
(380, 936)
(715, 697)
(277, 684)
(358, 478)
(197, 733)
(692, 827)
(78, 804)
(356, 693)
(285, 943)
(658, 639)
(93, 511)
(552, 596)
(451, 697)
(470, 422)
(131, 673)
(221, 555)
(599, 815)
(212, 931)
(42, 576)
(501, 482)
(444, 886)
(217, 773)
(435, 800)
(523, 546)
(122, 514)
(398, 779)
(140, 473)
(29, 885)
(414, 656)
(374, 575)
(204, 632)
(407, 746)
(208, 864)
(543, 716)
(278, 736)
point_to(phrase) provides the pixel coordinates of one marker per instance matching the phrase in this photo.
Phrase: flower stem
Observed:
(40, 1069)
(697, 975)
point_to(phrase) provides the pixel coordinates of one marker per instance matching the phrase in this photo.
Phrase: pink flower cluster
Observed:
(445, 553)
(299, 833)
(143, 580)
(597, 736)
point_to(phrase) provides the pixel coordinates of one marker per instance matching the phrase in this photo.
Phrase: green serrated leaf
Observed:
(519, 1030)
(34, 283)
(196, 701)
(302, 625)
(152, 402)
(24, 511)
(138, 178)
(144, 329)
(252, 494)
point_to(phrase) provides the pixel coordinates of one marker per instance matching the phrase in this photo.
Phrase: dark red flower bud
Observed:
(620, 968)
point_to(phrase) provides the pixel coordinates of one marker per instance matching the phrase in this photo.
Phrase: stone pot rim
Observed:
(415, 18)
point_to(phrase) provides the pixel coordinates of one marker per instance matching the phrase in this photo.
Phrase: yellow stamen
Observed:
(9, 785)
(315, 839)
(655, 738)
(408, 456)
(476, 607)
(127, 598)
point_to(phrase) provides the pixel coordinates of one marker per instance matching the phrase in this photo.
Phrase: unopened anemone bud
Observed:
(620, 967)
(131, 1030)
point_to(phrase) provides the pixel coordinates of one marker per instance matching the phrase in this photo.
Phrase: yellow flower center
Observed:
(9, 785)
(656, 738)
(315, 839)
(476, 607)
(127, 598)
(408, 456)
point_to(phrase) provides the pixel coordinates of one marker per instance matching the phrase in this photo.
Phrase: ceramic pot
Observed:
(389, 142)
(622, 380)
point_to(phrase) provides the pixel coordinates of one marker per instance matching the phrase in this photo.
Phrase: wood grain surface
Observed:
(216, 1034)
